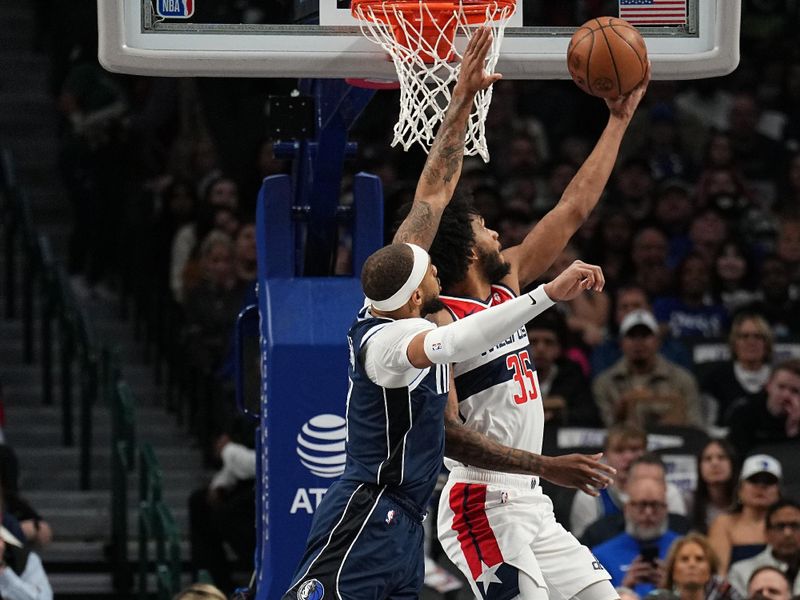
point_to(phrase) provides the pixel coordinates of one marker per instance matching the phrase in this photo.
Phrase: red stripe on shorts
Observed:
(478, 544)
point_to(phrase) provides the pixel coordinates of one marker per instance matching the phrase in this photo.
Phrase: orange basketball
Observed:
(607, 57)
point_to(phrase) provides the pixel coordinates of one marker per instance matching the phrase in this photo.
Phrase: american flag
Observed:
(653, 12)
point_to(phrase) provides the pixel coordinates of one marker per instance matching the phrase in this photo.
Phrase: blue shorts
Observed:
(365, 543)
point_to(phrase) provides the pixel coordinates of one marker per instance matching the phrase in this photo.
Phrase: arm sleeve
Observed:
(385, 353)
(32, 585)
(469, 337)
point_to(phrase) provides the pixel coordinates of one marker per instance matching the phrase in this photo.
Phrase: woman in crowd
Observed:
(716, 484)
(742, 533)
(690, 571)
(746, 373)
(734, 277)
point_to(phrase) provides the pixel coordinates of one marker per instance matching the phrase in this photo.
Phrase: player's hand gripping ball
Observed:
(607, 57)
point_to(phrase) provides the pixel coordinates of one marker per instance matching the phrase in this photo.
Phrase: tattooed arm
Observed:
(548, 238)
(443, 166)
(470, 447)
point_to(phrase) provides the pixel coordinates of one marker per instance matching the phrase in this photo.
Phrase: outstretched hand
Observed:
(472, 78)
(581, 471)
(624, 106)
(575, 279)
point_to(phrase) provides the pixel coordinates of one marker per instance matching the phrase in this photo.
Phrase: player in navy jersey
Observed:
(366, 539)
(494, 521)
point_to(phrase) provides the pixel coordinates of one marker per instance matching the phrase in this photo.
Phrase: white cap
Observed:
(638, 317)
(761, 463)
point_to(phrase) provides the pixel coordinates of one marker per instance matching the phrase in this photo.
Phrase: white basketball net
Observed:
(425, 86)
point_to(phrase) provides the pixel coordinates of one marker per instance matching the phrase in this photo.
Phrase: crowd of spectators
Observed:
(698, 235)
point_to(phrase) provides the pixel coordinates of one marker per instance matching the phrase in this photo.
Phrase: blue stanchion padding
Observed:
(367, 212)
(304, 359)
(303, 410)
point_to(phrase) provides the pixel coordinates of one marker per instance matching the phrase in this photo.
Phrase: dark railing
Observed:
(123, 449)
(37, 284)
(156, 525)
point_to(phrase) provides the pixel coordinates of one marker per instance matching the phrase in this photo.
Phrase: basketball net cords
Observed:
(425, 87)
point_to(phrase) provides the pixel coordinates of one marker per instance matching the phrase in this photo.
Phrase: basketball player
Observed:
(494, 521)
(366, 540)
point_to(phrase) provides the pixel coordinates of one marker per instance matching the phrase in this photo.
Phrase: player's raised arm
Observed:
(443, 166)
(550, 235)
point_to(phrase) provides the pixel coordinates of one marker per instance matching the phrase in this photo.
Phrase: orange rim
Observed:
(474, 10)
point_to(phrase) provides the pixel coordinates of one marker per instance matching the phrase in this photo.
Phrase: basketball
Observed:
(607, 57)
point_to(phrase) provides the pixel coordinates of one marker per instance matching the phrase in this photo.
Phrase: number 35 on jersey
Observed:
(520, 364)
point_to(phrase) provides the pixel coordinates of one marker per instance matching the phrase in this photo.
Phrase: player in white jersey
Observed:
(494, 521)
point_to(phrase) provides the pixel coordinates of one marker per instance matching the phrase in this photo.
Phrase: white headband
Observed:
(401, 296)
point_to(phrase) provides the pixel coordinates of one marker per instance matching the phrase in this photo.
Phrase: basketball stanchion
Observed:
(421, 38)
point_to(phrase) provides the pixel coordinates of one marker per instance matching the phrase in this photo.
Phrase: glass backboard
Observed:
(319, 38)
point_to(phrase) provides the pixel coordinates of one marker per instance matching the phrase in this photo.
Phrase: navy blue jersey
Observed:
(395, 436)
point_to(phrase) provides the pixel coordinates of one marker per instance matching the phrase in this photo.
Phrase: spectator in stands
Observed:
(787, 248)
(788, 201)
(635, 558)
(741, 534)
(768, 583)
(663, 148)
(716, 484)
(673, 213)
(566, 394)
(586, 319)
(773, 415)
(758, 155)
(782, 551)
(692, 313)
(219, 203)
(691, 571)
(649, 253)
(627, 298)
(745, 375)
(611, 244)
(200, 591)
(624, 444)
(224, 513)
(19, 515)
(643, 387)
(245, 255)
(91, 161)
(777, 305)
(211, 308)
(177, 209)
(734, 277)
(707, 232)
(22, 576)
(651, 466)
(633, 188)
(719, 151)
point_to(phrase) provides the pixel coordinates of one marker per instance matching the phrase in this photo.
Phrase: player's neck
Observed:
(404, 312)
(474, 285)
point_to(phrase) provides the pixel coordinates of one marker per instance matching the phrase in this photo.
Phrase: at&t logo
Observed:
(320, 445)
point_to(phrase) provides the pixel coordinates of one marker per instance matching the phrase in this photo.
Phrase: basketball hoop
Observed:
(420, 37)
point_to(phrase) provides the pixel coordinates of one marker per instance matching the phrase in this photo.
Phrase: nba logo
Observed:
(175, 9)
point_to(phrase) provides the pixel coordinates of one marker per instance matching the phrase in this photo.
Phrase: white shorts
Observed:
(492, 524)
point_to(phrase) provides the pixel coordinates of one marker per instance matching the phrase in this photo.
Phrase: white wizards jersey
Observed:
(498, 390)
